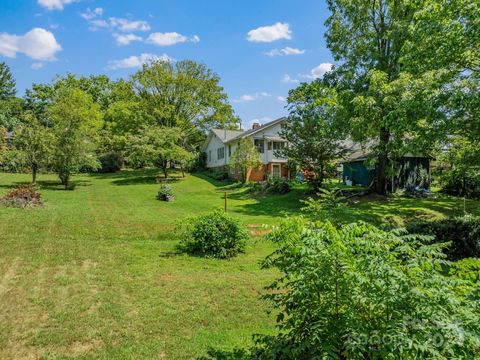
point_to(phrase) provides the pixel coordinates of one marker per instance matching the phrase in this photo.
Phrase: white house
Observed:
(221, 144)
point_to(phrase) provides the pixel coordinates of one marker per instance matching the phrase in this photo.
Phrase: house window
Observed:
(277, 145)
(220, 153)
(229, 150)
(260, 145)
(209, 155)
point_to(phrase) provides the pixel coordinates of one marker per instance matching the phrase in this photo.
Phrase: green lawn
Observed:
(95, 273)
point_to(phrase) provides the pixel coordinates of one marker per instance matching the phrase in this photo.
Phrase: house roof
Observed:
(258, 129)
(226, 135)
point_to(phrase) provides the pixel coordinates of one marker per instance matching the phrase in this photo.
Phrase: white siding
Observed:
(212, 147)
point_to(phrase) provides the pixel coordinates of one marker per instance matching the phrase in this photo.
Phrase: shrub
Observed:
(215, 235)
(357, 292)
(22, 197)
(462, 232)
(217, 173)
(330, 205)
(278, 185)
(165, 193)
(109, 163)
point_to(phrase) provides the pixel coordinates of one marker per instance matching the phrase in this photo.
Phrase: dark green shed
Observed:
(409, 172)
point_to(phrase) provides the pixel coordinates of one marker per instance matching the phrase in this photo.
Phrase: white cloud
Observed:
(125, 25)
(286, 51)
(319, 71)
(92, 14)
(281, 98)
(271, 33)
(126, 39)
(251, 97)
(37, 44)
(54, 4)
(137, 61)
(289, 80)
(114, 24)
(36, 66)
(170, 38)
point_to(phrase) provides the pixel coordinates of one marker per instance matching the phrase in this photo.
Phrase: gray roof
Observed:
(226, 135)
(263, 127)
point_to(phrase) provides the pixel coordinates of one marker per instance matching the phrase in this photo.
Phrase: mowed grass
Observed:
(95, 273)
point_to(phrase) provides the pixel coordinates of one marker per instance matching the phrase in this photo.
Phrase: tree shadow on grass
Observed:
(219, 184)
(235, 354)
(48, 185)
(137, 177)
(56, 185)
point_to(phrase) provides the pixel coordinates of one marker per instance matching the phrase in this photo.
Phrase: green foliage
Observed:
(244, 158)
(165, 193)
(76, 120)
(329, 205)
(357, 292)
(461, 175)
(462, 232)
(22, 197)
(183, 94)
(33, 144)
(217, 173)
(216, 235)
(109, 162)
(7, 82)
(311, 131)
(278, 185)
(158, 146)
(274, 185)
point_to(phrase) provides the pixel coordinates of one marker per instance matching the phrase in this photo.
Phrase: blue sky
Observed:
(260, 49)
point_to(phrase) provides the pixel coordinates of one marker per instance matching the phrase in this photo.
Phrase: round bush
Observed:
(215, 235)
(462, 232)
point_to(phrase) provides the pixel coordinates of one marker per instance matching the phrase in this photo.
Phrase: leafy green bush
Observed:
(216, 235)
(165, 193)
(357, 292)
(109, 163)
(329, 205)
(462, 232)
(22, 197)
(217, 173)
(271, 186)
(278, 185)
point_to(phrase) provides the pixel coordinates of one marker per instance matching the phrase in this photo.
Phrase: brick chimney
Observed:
(256, 125)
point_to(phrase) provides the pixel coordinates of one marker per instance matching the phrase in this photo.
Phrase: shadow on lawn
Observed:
(49, 185)
(235, 354)
(136, 177)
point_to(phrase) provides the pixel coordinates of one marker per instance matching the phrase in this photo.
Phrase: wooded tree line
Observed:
(407, 81)
(158, 117)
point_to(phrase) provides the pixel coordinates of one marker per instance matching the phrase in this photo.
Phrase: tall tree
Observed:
(365, 36)
(33, 144)
(244, 158)
(76, 120)
(183, 94)
(7, 82)
(312, 134)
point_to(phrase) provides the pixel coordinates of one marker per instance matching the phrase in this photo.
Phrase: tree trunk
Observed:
(183, 171)
(34, 173)
(382, 168)
(165, 168)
